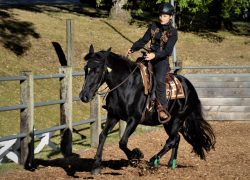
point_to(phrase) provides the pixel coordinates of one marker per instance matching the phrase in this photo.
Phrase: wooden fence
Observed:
(223, 96)
(25, 140)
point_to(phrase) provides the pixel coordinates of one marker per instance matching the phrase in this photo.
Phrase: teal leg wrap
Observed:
(174, 164)
(156, 161)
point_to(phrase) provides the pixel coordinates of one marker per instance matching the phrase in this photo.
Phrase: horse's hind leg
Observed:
(110, 123)
(172, 160)
(171, 143)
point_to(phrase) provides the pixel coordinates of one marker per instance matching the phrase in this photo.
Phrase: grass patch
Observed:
(6, 167)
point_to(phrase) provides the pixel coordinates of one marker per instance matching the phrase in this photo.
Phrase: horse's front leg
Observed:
(110, 123)
(135, 153)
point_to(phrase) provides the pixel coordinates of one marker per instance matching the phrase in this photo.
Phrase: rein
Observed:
(103, 93)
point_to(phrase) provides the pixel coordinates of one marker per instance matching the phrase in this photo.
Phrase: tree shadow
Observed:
(76, 9)
(122, 35)
(74, 164)
(15, 34)
(210, 36)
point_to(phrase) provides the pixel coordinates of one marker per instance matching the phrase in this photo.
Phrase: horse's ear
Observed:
(91, 49)
(91, 52)
(109, 50)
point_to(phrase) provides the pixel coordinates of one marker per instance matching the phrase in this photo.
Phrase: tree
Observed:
(118, 10)
(190, 14)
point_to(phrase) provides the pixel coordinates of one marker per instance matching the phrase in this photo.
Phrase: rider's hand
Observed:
(150, 56)
(129, 52)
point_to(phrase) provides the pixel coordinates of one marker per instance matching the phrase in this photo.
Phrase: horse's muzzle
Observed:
(84, 97)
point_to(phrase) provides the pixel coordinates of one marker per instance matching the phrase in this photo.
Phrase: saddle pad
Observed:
(174, 89)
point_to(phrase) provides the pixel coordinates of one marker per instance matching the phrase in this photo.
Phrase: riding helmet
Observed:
(166, 8)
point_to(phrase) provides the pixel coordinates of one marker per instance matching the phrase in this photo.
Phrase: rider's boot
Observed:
(163, 115)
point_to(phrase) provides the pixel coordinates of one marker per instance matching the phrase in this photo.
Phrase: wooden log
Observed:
(218, 78)
(223, 92)
(27, 120)
(95, 113)
(66, 110)
(225, 101)
(227, 108)
(237, 116)
(209, 84)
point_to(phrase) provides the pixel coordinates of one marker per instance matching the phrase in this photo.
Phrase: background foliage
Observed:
(192, 14)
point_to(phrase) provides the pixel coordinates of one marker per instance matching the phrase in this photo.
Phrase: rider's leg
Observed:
(161, 68)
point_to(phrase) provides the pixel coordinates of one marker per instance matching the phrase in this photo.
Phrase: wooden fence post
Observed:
(66, 110)
(95, 113)
(27, 120)
(70, 41)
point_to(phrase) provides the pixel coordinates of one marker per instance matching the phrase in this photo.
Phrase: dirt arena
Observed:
(230, 159)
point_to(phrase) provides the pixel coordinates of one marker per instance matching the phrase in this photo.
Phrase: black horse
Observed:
(126, 101)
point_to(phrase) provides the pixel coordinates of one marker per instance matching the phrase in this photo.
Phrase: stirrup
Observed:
(160, 119)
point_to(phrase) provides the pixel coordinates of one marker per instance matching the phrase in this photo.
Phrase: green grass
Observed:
(42, 25)
(6, 167)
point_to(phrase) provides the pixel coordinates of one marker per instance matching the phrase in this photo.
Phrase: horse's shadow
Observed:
(74, 164)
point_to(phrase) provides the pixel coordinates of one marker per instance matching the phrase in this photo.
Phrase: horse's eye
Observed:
(86, 70)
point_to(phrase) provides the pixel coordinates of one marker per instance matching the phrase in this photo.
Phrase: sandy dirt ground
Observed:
(229, 160)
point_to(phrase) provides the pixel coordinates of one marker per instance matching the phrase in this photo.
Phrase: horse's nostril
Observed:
(85, 99)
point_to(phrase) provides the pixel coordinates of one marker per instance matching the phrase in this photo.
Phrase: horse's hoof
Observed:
(96, 171)
(134, 162)
(172, 164)
(136, 154)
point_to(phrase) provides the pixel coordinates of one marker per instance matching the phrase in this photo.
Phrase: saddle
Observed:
(174, 89)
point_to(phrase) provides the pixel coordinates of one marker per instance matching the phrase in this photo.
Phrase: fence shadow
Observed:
(60, 54)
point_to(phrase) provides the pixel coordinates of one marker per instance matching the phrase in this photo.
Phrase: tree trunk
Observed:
(119, 12)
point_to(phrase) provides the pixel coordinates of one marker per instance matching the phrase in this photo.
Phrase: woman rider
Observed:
(162, 36)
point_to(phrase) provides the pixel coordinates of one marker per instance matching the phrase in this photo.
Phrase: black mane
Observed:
(122, 59)
(98, 59)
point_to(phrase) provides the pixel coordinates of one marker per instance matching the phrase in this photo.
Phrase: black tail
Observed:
(198, 132)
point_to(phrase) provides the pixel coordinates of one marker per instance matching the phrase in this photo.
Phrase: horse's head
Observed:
(95, 70)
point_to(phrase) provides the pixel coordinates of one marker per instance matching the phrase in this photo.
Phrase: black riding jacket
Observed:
(163, 39)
